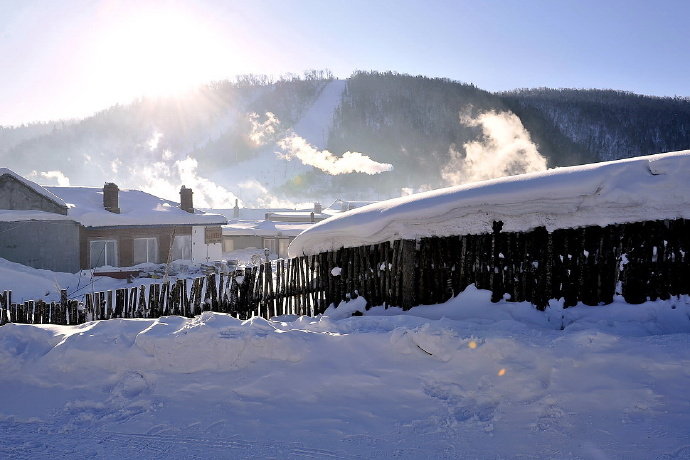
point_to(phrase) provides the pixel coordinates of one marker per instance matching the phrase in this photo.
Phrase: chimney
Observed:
(317, 208)
(111, 200)
(186, 203)
(236, 210)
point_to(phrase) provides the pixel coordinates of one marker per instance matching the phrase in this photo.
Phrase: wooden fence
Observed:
(647, 260)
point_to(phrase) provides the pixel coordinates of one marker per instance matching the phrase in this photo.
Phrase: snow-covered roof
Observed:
(296, 216)
(265, 228)
(632, 190)
(248, 213)
(33, 186)
(341, 205)
(137, 208)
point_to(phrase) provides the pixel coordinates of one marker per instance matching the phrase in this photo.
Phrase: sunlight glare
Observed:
(162, 52)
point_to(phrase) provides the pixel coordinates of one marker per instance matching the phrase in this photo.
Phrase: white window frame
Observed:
(103, 253)
(151, 244)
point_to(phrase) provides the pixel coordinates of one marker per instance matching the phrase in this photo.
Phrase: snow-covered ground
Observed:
(466, 379)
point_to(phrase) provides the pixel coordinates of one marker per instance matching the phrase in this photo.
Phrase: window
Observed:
(102, 252)
(283, 244)
(182, 247)
(145, 250)
(228, 244)
(271, 244)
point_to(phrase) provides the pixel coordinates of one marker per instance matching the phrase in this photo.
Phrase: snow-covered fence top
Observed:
(655, 187)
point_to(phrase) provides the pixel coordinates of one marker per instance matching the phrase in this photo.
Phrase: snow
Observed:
(632, 190)
(136, 208)
(466, 379)
(33, 186)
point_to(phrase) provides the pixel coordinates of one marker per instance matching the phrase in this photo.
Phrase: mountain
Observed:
(314, 138)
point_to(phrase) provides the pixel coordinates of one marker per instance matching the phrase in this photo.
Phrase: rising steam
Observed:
(162, 173)
(294, 146)
(261, 132)
(56, 177)
(505, 150)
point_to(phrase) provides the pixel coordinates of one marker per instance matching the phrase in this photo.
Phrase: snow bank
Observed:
(631, 190)
(466, 379)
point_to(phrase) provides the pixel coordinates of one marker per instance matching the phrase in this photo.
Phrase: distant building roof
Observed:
(265, 228)
(18, 215)
(137, 208)
(340, 205)
(296, 216)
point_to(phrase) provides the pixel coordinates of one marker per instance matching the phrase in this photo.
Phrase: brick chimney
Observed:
(186, 203)
(111, 199)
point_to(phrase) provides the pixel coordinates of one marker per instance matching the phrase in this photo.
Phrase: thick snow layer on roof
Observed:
(33, 185)
(265, 228)
(136, 208)
(631, 190)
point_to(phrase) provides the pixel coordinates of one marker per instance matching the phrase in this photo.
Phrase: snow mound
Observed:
(632, 190)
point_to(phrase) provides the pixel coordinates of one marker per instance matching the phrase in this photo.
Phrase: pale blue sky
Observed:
(74, 57)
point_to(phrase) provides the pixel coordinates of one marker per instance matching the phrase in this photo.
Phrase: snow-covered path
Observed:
(467, 379)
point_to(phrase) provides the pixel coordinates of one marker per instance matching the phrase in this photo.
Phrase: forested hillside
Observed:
(602, 124)
(386, 134)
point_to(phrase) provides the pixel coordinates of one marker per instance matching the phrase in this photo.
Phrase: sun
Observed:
(161, 52)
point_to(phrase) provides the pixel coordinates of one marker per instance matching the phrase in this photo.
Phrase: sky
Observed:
(72, 58)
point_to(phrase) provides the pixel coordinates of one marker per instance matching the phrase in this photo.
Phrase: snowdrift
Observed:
(466, 379)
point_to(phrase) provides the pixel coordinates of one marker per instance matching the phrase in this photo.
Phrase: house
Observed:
(274, 236)
(246, 228)
(35, 228)
(72, 228)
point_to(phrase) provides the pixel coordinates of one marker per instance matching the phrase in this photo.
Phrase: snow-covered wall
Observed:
(639, 189)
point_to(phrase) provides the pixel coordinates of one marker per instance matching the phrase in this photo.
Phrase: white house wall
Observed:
(202, 252)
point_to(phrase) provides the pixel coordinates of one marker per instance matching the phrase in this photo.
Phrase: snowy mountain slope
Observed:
(316, 123)
(268, 169)
(421, 126)
(467, 379)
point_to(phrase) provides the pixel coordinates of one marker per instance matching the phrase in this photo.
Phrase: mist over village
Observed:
(344, 229)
